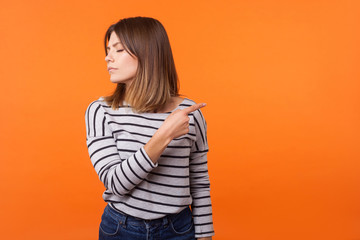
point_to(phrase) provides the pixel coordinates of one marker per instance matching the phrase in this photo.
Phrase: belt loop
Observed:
(166, 220)
(124, 223)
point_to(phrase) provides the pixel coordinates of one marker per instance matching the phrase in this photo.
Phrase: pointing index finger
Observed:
(194, 107)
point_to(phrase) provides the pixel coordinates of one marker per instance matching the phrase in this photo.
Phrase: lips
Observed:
(111, 68)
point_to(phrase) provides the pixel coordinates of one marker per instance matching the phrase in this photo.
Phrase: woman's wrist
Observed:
(164, 135)
(157, 144)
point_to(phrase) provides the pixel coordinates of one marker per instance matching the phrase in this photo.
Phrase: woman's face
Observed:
(123, 63)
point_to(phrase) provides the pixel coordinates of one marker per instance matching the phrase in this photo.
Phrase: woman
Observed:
(147, 144)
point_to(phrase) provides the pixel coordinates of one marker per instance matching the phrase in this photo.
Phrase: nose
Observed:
(108, 58)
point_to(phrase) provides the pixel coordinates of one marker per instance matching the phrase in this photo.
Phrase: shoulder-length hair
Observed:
(156, 79)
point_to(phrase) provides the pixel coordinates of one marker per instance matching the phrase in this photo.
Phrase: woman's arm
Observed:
(175, 125)
(157, 144)
(121, 175)
(199, 180)
(118, 175)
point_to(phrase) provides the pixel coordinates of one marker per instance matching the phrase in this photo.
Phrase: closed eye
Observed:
(120, 50)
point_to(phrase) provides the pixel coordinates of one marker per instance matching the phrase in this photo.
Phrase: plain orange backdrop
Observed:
(282, 86)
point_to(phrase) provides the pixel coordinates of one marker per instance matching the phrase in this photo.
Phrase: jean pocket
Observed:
(183, 224)
(109, 225)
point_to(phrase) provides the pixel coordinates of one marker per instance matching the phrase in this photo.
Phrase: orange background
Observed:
(281, 80)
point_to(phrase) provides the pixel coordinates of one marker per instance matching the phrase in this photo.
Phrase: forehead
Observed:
(113, 39)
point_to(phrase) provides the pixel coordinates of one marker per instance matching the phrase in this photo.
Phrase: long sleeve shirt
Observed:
(134, 184)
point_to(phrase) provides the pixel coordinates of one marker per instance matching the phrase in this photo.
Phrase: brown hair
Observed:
(156, 80)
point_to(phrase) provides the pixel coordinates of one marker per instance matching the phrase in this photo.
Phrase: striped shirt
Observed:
(134, 184)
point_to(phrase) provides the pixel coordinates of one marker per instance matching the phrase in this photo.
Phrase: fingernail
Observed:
(204, 104)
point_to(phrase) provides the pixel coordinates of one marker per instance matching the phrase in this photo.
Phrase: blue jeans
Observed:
(115, 225)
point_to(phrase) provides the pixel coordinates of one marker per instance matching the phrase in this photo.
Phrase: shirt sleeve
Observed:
(199, 180)
(118, 175)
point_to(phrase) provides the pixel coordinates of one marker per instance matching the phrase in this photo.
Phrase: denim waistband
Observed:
(124, 218)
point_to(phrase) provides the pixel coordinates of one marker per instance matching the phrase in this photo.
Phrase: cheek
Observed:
(131, 65)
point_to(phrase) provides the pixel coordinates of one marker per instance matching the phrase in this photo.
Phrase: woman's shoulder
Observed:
(101, 101)
(98, 101)
(186, 101)
(189, 101)
(96, 104)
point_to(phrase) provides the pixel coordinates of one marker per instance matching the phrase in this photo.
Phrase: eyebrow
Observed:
(113, 45)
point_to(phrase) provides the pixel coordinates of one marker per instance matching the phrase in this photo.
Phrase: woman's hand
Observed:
(177, 123)
(205, 238)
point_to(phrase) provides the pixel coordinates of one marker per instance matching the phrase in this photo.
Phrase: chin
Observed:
(125, 81)
(114, 80)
